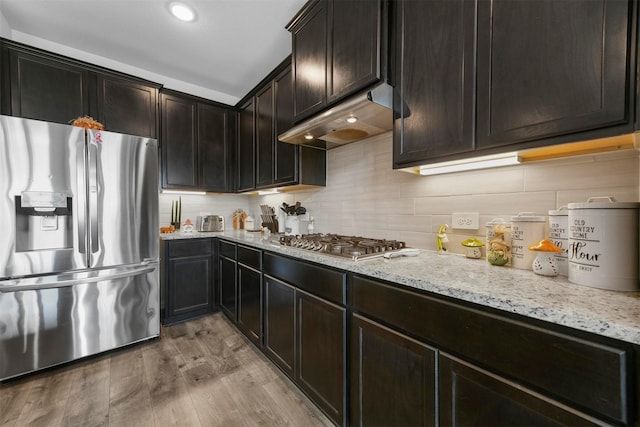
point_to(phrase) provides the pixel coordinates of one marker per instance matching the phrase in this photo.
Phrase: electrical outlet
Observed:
(465, 220)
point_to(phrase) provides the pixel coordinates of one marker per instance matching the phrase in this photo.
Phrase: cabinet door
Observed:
(179, 146)
(320, 369)
(470, 396)
(309, 44)
(214, 148)
(127, 106)
(434, 88)
(250, 303)
(246, 148)
(286, 155)
(228, 282)
(279, 323)
(190, 289)
(353, 53)
(47, 89)
(538, 79)
(383, 359)
(264, 137)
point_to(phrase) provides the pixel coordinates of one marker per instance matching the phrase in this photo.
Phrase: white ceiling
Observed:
(231, 46)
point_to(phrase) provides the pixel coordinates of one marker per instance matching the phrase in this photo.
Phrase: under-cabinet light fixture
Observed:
(483, 162)
(182, 11)
(268, 192)
(193, 193)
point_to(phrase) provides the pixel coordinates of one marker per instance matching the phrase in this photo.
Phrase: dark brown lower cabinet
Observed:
(249, 303)
(228, 287)
(279, 323)
(393, 377)
(471, 396)
(321, 353)
(188, 279)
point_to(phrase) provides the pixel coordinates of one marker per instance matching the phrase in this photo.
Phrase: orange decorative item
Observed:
(87, 123)
(545, 263)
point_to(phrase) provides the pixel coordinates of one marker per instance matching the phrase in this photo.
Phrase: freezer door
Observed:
(123, 199)
(50, 320)
(42, 197)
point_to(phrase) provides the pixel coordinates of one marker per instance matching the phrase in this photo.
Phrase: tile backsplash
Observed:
(365, 196)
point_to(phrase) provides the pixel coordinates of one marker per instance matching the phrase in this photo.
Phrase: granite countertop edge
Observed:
(556, 300)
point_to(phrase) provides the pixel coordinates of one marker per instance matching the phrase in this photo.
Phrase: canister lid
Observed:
(604, 202)
(559, 212)
(528, 217)
(496, 221)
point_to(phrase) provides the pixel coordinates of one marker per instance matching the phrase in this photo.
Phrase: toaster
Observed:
(210, 223)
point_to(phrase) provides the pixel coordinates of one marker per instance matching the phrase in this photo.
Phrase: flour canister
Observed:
(527, 228)
(603, 244)
(559, 235)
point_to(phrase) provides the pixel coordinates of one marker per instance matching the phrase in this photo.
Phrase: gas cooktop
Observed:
(352, 247)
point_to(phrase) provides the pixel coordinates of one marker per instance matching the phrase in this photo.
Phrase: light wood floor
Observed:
(200, 373)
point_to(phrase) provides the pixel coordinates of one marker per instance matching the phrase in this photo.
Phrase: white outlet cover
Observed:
(465, 220)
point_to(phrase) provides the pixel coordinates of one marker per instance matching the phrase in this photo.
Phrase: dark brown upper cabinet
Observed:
(339, 47)
(549, 68)
(44, 86)
(434, 79)
(196, 141)
(263, 160)
(246, 147)
(483, 77)
(127, 106)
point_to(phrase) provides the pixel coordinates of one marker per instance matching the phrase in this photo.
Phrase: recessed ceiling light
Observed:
(352, 119)
(182, 11)
(308, 136)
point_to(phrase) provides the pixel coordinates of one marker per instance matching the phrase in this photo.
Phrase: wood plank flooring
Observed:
(200, 373)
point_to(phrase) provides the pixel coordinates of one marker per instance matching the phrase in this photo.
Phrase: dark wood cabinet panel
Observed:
(48, 89)
(127, 106)
(537, 79)
(228, 287)
(470, 396)
(279, 323)
(354, 46)
(178, 142)
(188, 279)
(309, 41)
(250, 303)
(265, 137)
(320, 369)
(246, 148)
(393, 377)
(215, 128)
(434, 71)
(587, 374)
(286, 155)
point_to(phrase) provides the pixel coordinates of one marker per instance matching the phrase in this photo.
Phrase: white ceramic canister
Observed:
(559, 235)
(603, 244)
(527, 228)
(490, 234)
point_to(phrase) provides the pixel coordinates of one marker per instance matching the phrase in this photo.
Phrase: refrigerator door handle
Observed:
(93, 196)
(31, 284)
(81, 162)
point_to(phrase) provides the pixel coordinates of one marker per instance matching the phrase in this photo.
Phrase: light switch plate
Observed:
(466, 220)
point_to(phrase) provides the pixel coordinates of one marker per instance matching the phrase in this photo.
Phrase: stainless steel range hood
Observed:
(371, 110)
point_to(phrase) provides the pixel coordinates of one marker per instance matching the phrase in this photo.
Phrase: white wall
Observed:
(5, 29)
(194, 205)
(365, 196)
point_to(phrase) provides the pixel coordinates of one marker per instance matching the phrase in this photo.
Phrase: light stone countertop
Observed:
(556, 300)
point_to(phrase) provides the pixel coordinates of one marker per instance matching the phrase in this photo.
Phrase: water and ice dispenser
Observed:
(44, 220)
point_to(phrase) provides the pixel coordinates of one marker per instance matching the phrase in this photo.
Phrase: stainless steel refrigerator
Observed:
(79, 270)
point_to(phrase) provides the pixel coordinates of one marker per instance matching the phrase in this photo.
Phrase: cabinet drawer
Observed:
(250, 257)
(228, 249)
(190, 247)
(588, 374)
(321, 281)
